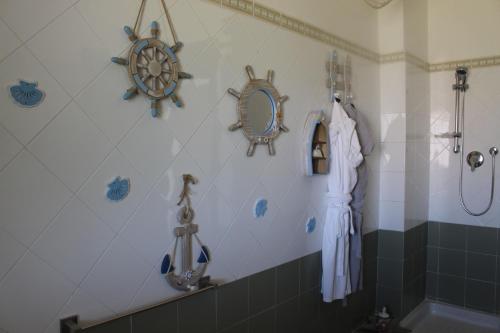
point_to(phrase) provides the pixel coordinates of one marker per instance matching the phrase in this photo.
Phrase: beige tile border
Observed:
(292, 24)
(471, 63)
(275, 17)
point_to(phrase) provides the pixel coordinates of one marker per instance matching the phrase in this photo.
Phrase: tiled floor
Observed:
(439, 324)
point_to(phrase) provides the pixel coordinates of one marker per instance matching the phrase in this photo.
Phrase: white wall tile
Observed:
(102, 101)
(150, 230)
(392, 186)
(71, 146)
(392, 215)
(112, 281)
(10, 251)
(234, 249)
(108, 18)
(393, 154)
(211, 146)
(238, 43)
(9, 147)
(27, 17)
(393, 89)
(393, 127)
(226, 111)
(74, 242)
(150, 147)
(214, 217)
(230, 182)
(88, 308)
(31, 186)
(75, 48)
(277, 177)
(199, 94)
(24, 124)
(213, 18)
(155, 290)
(94, 191)
(71, 51)
(39, 299)
(257, 226)
(189, 29)
(171, 183)
(9, 40)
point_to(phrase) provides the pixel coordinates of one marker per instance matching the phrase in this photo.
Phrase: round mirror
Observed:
(261, 111)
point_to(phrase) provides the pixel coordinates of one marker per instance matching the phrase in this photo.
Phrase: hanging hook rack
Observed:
(339, 78)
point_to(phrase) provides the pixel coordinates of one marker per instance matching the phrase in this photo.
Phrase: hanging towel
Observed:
(358, 198)
(345, 156)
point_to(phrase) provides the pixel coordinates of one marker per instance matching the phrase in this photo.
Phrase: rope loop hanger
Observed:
(140, 14)
(153, 66)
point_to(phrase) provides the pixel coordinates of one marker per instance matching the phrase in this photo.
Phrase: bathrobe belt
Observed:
(340, 201)
(340, 204)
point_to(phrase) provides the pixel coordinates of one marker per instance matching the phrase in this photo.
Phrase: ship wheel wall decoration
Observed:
(153, 66)
(260, 111)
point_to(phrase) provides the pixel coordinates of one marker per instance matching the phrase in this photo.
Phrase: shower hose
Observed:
(461, 102)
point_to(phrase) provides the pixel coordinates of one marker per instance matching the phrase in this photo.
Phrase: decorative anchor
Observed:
(153, 66)
(189, 278)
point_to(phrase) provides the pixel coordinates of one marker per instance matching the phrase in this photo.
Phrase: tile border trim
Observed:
(471, 63)
(280, 19)
(292, 24)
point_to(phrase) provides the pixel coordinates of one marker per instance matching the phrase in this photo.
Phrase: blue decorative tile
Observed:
(260, 208)
(26, 94)
(118, 189)
(311, 225)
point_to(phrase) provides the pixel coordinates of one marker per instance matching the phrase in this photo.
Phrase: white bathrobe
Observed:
(345, 156)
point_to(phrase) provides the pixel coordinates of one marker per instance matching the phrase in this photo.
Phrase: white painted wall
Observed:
(391, 27)
(462, 29)
(65, 249)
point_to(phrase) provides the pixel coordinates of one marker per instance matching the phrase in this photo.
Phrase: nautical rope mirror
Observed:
(260, 111)
(153, 66)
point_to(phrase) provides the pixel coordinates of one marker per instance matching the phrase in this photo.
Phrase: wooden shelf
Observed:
(320, 138)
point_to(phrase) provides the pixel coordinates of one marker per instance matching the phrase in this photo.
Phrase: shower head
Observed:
(461, 74)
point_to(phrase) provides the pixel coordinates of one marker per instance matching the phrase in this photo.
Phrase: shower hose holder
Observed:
(188, 278)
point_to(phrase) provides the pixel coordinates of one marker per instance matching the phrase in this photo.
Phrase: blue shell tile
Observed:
(118, 189)
(260, 208)
(311, 225)
(26, 94)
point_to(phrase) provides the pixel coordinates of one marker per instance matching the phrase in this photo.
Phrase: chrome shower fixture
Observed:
(461, 74)
(475, 158)
(460, 88)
